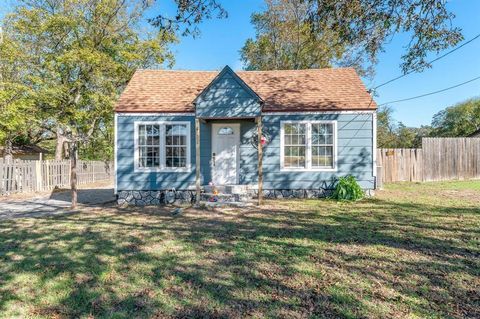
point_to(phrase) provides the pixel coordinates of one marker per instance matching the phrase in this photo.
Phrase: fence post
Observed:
(2, 179)
(38, 176)
(379, 178)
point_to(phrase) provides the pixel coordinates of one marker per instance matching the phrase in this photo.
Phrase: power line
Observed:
(434, 60)
(431, 93)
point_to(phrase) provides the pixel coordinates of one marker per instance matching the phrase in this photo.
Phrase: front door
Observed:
(225, 153)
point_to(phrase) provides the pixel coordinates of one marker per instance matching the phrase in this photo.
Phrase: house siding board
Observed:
(227, 98)
(355, 136)
(128, 179)
(354, 153)
(248, 153)
(205, 152)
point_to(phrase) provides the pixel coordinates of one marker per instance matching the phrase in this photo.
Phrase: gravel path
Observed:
(55, 203)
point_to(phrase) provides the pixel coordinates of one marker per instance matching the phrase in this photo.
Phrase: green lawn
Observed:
(411, 252)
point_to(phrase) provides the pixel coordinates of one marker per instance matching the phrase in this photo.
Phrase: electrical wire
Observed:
(434, 60)
(431, 93)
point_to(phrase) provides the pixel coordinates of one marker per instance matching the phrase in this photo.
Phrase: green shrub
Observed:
(347, 189)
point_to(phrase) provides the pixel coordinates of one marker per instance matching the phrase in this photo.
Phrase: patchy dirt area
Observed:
(55, 202)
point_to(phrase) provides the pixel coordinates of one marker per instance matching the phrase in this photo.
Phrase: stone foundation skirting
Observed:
(292, 193)
(155, 198)
(165, 197)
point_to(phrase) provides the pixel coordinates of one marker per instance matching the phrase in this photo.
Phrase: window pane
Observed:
(225, 131)
(148, 145)
(177, 129)
(176, 145)
(295, 145)
(329, 139)
(288, 139)
(141, 135)
(322, 145)
(295, 140)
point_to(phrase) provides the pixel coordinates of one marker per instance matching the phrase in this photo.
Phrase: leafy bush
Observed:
(347, 189)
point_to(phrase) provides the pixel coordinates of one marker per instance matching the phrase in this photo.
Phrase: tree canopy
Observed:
(16, 106)
(362, 26)
(459, 120)
(77, 56)
(286, 39)
(393, 134)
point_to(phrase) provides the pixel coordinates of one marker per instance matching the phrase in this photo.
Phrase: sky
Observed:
(221, 39)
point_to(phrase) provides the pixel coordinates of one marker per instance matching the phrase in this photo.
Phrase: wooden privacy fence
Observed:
(439, 159)
(451, 158)
(19, 176)
(400, 164)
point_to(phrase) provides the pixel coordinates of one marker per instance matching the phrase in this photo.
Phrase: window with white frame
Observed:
(176, 145)
(308, 145)
(162, 146)
(149, 145)
(295, 145)
(322, 145)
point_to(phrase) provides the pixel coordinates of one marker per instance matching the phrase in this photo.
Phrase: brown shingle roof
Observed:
(291, 90)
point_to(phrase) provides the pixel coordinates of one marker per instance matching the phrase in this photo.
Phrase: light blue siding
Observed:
(226, 97)
(354, 149)
(128, 179)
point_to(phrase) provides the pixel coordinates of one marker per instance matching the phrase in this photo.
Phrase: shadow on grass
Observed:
(369, 259)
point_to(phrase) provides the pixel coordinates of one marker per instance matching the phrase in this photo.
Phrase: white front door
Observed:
(225, 153)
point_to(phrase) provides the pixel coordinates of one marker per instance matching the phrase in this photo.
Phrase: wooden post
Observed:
(197, 161)
(73, 173)
(38, 176)
(379, 178)
(260, 160)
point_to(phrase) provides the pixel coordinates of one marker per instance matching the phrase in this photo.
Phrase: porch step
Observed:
(228, 189)
(225, 204)
(224, 198)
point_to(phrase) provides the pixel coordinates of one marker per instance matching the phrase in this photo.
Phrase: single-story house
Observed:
(177, 133)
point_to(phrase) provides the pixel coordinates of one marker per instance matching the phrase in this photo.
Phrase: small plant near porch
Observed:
(347, 189)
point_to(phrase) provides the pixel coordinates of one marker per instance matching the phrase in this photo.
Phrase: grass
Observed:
(411, 252)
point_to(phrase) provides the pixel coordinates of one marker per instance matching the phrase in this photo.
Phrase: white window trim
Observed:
(308, 150)
(162, 168)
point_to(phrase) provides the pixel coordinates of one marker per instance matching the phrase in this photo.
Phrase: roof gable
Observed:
(227, 95)
(227, 73)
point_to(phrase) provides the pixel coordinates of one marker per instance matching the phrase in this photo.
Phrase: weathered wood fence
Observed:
(19, 176)
(439, 159)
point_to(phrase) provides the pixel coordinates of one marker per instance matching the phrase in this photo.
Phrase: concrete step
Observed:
(224, 197)
(225, 204)
(228, 189)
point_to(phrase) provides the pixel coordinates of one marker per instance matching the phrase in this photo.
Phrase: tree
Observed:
(393, 134)
(386, 128)
(285, 39)
(460, 120)
(190, 13)
(81, 53)
(363, 26)
(15, 96)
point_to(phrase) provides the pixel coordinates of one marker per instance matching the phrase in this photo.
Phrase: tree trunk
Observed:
(73, 173)
(8, 152)
(60, 145)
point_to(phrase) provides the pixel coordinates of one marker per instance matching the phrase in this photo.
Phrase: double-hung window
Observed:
(162, 146)
(308, 145)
